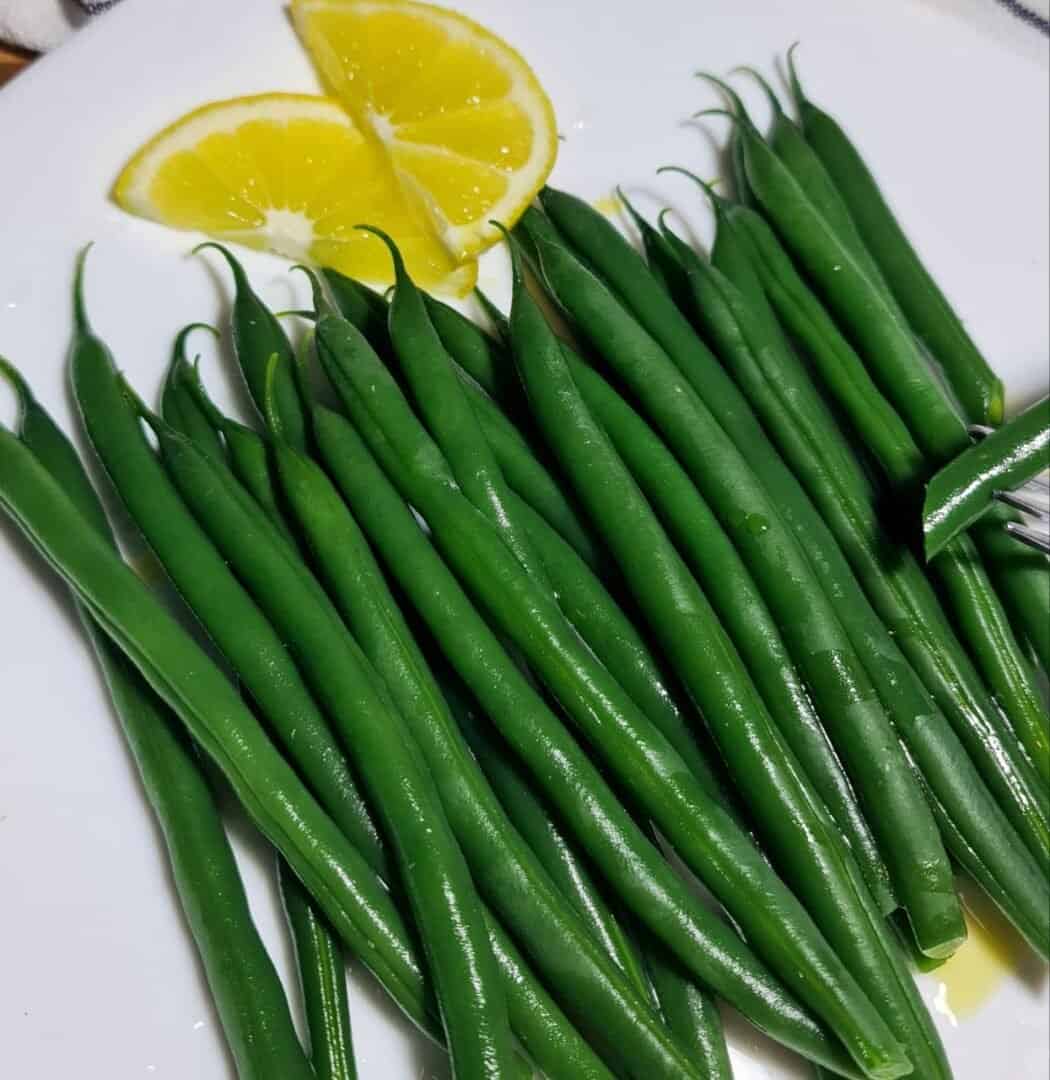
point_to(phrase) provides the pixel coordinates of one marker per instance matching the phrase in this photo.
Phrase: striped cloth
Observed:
(42, 24)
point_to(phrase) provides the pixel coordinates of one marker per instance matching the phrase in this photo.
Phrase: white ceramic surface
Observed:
(97, 976)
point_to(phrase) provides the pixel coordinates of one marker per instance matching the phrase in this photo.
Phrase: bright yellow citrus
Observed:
(292, 174)
(468, 129)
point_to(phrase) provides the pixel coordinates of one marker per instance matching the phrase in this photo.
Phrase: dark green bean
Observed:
(431, 867)
(248, 994)
(504, 868)
(699, 829)
(749, 514)
(841, 489)
(976, 386)
(634, 869)
(759, 358)
(201, 575)
(211, 708)
(179, 404)
(785, 807)
(691, 1014)
(943, 665)
(441, 399)
(248, 454)
(879, 327)
(963, 490)
(258, 336)
(740, 606)
(552, 847)
(322, 980)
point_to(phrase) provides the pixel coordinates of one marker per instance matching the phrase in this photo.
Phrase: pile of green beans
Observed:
(528, 637)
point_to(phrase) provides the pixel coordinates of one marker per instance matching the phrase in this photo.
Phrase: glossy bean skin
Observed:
(752, 348)
(699, 829)
(931, 644)
(682, 398)
(901, 594)
(228, 613)
(977, 387)
(441, 400)
(553, 848)
(508, 874)
(634, 869)
(944, 667)
(878, 326)
(712, 557)
(962, 491)
(244, 985)
(743, 611)
(258, 336)
(210, 707)
(690, 1013)
(431, 868)
(322, 981)
(786, 809)
(179, 403)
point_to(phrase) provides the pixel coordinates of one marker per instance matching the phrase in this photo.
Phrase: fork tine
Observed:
(1038, 538)
(1027, 503)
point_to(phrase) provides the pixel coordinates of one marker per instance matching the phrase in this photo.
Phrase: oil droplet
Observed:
(609, 205)
(756, 524)
(992, 951)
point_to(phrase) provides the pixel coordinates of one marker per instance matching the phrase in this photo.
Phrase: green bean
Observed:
(581, 595)
(840, 488)
(785, 807)
(506, 871)
(551, 846)
(743, 611)
(699, 829)
(362, 306)
(211, 708)
(248, 995)
(690, 1014)
(474, 353)
(431, 867)
(880, 328)
(322, 980)
(442, 401)
(226, 611)
(963, 490)
(249, 457)
(614, 639)
(760, 361)
(550, 1040)
(749, 514)
(1021, 580)
(787, 141)
(943, 666)
(928, 311)
(258, 336)
(180, 405)
(694, 824)
(574, 786)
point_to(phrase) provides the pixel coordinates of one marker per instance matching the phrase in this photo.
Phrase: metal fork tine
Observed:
(1033, 505)
(1033, 537)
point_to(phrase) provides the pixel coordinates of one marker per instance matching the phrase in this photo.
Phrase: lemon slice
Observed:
(291, 174)
(468, 129)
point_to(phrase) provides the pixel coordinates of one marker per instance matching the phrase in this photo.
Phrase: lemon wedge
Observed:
(292, 174)
(467, 128)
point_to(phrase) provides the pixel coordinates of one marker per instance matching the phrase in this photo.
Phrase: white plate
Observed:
(99, 978)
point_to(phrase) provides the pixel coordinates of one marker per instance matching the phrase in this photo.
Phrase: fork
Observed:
(1032, 499)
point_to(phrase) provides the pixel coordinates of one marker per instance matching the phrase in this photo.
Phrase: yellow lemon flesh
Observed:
(467, 128)
(291, 174)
